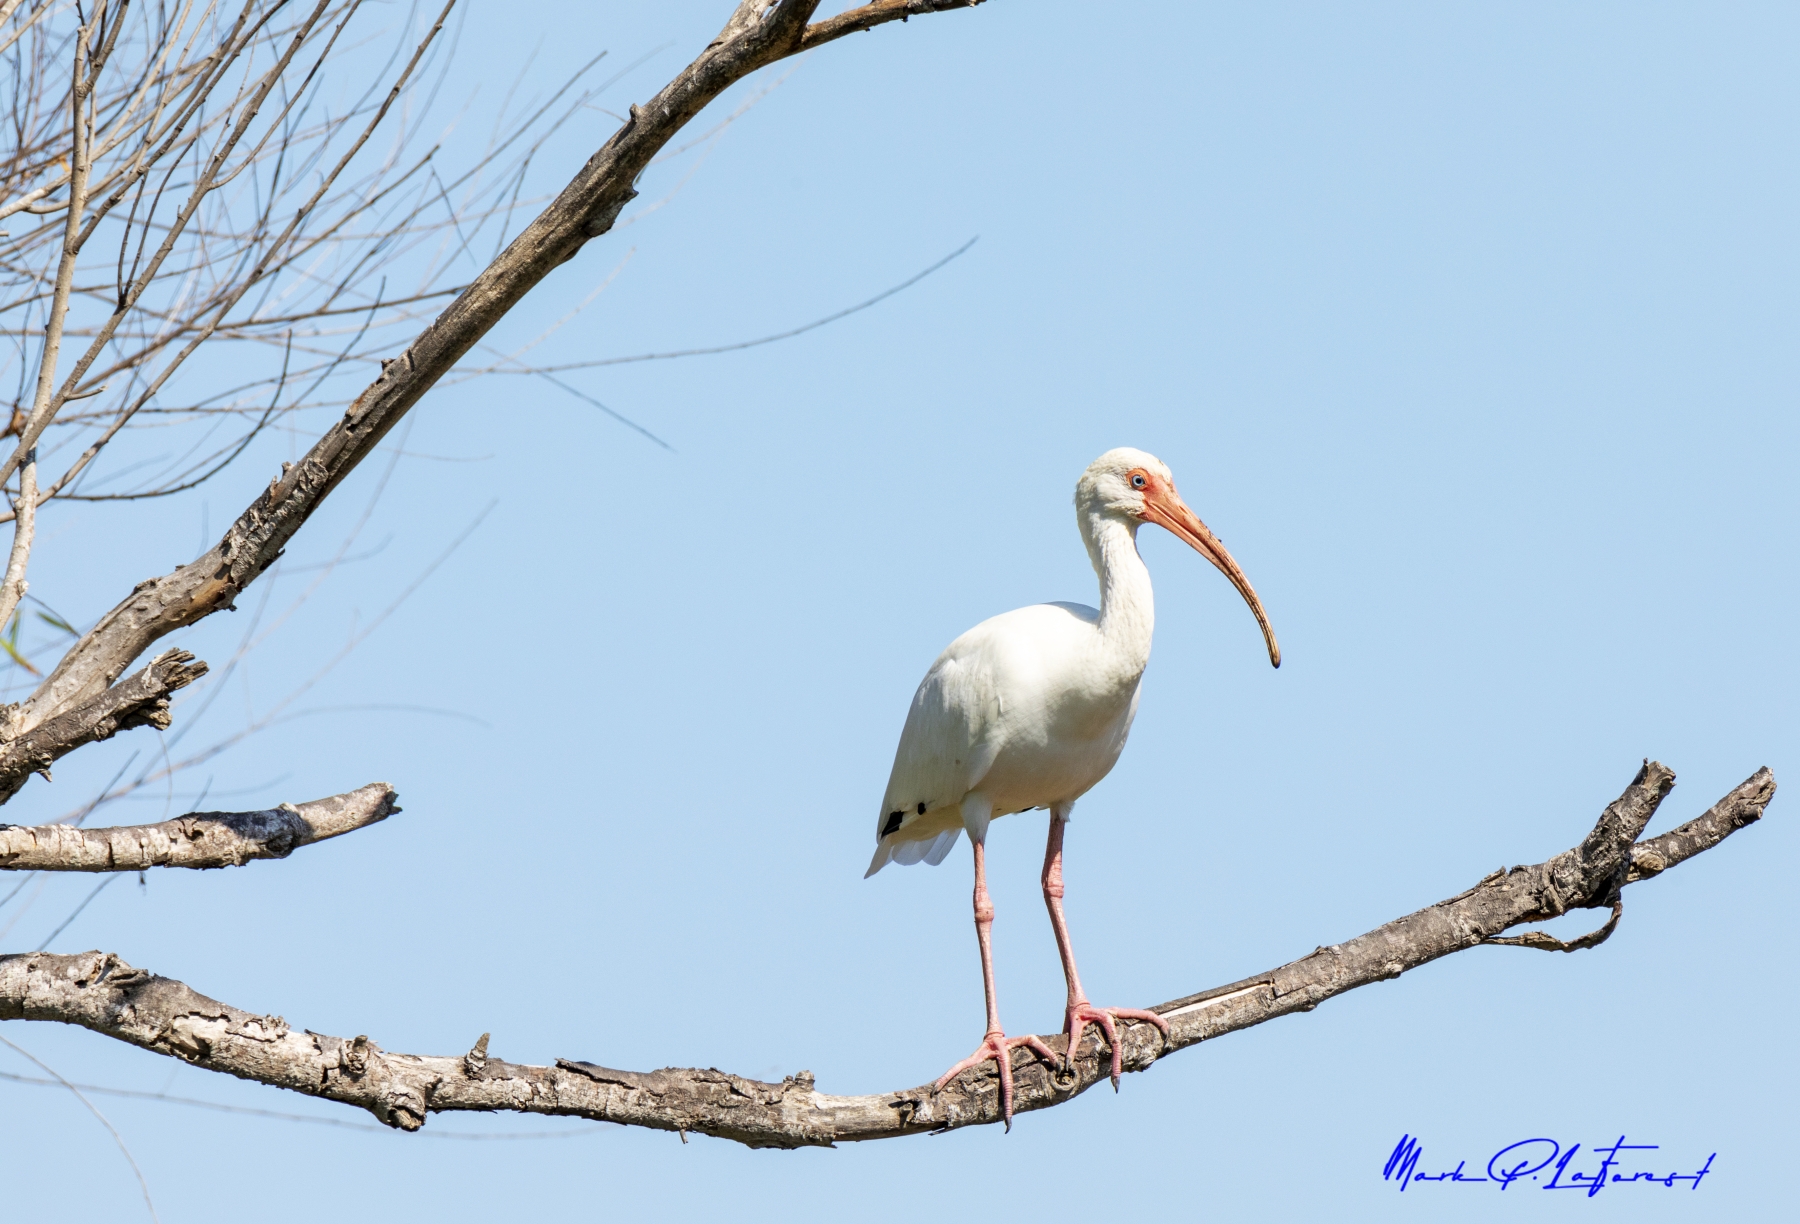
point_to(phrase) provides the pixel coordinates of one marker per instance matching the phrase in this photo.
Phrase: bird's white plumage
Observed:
(1031, 708)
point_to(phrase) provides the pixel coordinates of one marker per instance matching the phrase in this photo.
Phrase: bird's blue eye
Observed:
(1137, 480)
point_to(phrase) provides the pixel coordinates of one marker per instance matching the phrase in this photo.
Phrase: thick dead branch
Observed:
(758, 34)
(141, 701)
(199, 839)
(100, 992)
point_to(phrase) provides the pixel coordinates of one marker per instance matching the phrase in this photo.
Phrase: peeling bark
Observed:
(100, 992)
(141, 701)
(199, 839)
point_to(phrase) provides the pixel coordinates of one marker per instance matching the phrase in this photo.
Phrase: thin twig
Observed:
(98, 1116)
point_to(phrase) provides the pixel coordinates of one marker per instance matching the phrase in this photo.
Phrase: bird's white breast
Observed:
(1031, 707)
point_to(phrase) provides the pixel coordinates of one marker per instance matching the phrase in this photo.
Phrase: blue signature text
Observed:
(1544, 1164)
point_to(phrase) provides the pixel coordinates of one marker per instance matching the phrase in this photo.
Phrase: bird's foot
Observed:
(1082, 1014)
(997, 1046)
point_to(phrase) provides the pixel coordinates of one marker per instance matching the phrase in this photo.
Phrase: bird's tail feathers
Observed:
(930, 850)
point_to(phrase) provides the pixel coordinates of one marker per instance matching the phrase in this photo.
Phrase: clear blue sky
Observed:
(1471, 329)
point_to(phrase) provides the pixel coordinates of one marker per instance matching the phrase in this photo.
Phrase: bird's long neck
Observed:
(1127, 605)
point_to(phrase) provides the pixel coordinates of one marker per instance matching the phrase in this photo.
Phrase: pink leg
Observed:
(995, 1044)
(1082, 1013)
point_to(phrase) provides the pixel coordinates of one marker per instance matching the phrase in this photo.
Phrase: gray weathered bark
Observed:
(141, 701)
(199, 839)
(100, 992)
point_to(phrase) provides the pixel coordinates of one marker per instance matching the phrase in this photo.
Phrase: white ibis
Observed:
(1030, 710)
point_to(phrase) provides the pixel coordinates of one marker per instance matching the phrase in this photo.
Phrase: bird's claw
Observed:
(1080, 1015)
(997, 1046)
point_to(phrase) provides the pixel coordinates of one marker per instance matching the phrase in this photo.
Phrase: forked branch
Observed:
(758, 33)
(100, 992)
(139, 701)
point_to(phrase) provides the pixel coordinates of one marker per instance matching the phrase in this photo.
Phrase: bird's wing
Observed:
(960, 720)
(946, 747)
(950, 738)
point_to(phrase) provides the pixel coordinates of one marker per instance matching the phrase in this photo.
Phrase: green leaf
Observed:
(10, 645)
(57, 622)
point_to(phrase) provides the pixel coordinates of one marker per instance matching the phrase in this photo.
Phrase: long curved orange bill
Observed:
(1164, 507)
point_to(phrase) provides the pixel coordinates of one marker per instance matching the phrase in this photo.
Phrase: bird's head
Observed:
(1137, 487)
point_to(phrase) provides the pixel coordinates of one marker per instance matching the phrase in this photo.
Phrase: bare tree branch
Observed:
(13, 586)
(220, 200)
(198, 840)
(509, 363)
(142, 701)
(1743, 806)
(757, 34)
(100, 992)
(868, 16)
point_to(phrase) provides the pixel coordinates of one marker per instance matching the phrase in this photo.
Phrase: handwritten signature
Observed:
(1543, 1161)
